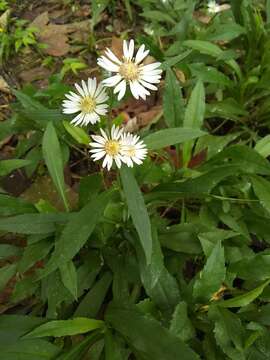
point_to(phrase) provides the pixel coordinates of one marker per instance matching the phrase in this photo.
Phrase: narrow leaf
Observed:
(53, 159)
(212, 275)
(77, 232)
(58, 328)
(7, 166)
(167, 137)
(69, 278)
(147, 335)
(173, 101)
(245, 299)
(138, 211)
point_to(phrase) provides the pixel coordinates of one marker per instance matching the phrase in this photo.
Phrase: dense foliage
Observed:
(169, 259)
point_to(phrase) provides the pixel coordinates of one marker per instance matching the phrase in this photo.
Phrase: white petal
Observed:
(107, 64)
(73, 97)
(80, 90)
(141, 91)
(117, 160)
(101, 112)
(147, 85)
(98, 139)
(92, 85)
(131, 49)
(121, 89)
(99, 89)
(98, 156)
(78, 119)
(151, 79)
(102, 97)
(133, 89)
(125, 49)
(112, 57)
(152, 66)
(85, 88)
(70, 110)
(104, 134)
(112, 81)
(141, 54)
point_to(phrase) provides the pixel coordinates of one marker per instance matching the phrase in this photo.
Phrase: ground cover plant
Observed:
(135, 180)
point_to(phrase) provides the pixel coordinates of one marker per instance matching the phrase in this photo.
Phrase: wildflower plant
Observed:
(144, 229)
(90, 101)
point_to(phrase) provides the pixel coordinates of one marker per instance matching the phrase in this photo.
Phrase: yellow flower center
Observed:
(112, 147)
(88, 104)
(129, 71)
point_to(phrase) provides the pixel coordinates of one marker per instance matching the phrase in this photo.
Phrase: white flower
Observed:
(213, 7)
(130, 71)
(108, 147)
(89, 103)
(133, 149)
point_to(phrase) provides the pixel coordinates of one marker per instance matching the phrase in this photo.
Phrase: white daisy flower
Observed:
(89, 102)
(133, 149)
(108, 147)
(130, 71)
(213, 7)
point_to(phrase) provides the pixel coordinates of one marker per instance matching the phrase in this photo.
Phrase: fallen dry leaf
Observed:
(37, 73)
(4, 87)
(4, 19)
(149, 117)
(40, 21)
(43, 188)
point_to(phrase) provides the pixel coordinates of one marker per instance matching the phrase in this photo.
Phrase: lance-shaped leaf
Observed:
(53, 159)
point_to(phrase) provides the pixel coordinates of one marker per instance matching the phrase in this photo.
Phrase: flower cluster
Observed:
(89, 103)
(118, 147)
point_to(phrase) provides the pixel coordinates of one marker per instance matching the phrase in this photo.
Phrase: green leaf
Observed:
(255, 268)
(78, 134)
(146, 335)
(55, 293)
(29, 350)
(138, 211)
(53, 159)
(181, 325)
(262, 190)
(12, 327)
(59, 328)
(77, 232)
(7, 166)
(263, 145)
(229, 332)
(212, 275)
(24, 288)
(173, 106)
(79, 350)
(69, 278)
(33, 223)
(172, 136)
(90, 186)
(247, 159)
(158, 16)
(159, 284)
(245, 299)
(208, 48)
(114, 348)
(194, 116)
(34, 253)
(181, 238)
(7, 250)
(92, 301)
(6, 273)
